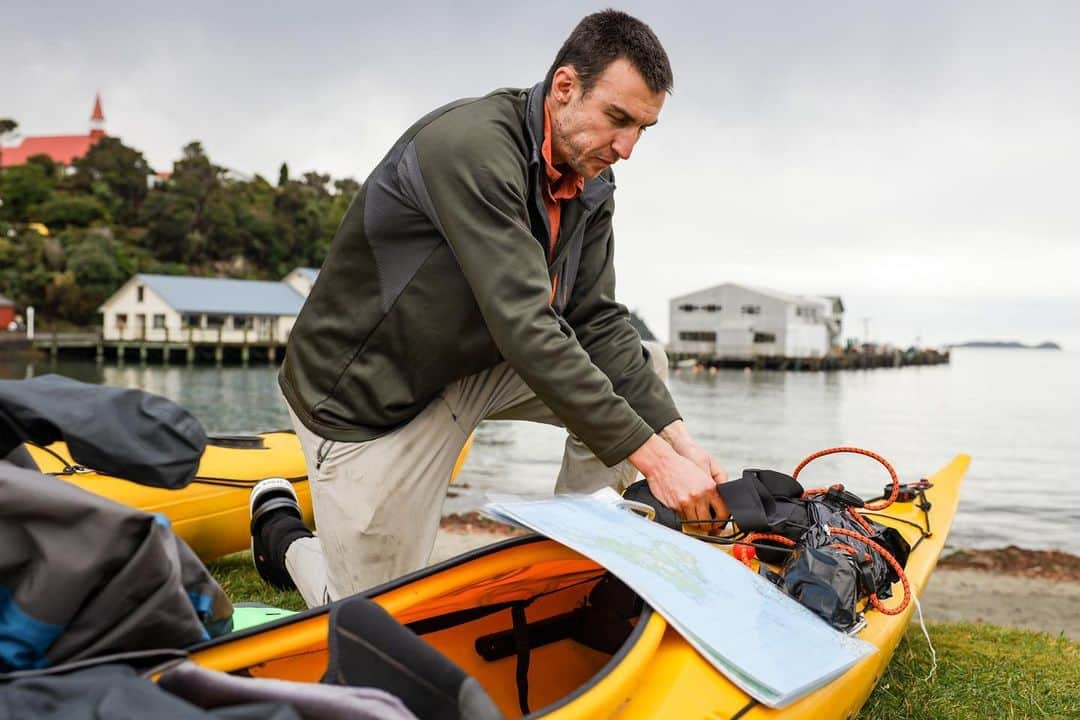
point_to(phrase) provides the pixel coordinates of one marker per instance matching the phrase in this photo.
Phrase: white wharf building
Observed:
(733, 322)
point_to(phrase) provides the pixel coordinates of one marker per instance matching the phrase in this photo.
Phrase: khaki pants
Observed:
(378, 503)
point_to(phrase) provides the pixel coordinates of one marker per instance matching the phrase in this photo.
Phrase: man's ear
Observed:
(563, 84)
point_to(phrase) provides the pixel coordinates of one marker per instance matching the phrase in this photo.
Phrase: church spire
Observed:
(97, 119)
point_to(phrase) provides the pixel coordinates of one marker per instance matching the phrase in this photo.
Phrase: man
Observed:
(472, 278)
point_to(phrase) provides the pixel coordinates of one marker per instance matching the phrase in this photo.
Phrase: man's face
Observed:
(591, 131)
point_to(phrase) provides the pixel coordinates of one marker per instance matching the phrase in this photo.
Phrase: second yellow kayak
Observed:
(211, 513)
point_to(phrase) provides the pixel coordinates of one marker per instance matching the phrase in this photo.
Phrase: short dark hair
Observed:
(602, 38)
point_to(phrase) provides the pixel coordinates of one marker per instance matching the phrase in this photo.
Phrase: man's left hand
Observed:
(678, 436)
(703, 459)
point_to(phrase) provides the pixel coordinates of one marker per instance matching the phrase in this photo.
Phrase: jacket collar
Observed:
(534, 122)
(597, 190)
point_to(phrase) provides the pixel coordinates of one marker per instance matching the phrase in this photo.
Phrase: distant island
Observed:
(1007, 344)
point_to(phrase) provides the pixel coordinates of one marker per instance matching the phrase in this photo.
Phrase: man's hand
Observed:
(678, 482)
(679, 438)
(677, 435)
(704, 460)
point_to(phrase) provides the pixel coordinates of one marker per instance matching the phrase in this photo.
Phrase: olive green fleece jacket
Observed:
(439, 270)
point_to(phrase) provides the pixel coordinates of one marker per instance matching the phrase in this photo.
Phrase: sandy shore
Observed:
(1012, 587)
(1051, 606)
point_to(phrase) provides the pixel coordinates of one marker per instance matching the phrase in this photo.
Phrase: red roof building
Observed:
(7, 313)
(63, 149)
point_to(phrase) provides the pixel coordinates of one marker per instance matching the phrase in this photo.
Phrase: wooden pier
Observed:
(191, 350)
(854, 359)
(169, 351)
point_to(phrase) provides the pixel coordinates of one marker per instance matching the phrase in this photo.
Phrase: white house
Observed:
(737, 322)
(182, 309)
(301, 279)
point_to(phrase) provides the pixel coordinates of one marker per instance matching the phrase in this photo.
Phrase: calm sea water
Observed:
(1013, 410)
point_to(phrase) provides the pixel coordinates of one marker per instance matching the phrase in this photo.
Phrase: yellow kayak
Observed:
(211, 513)
(654, 673)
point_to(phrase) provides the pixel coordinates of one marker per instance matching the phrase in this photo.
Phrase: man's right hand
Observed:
(677, 482)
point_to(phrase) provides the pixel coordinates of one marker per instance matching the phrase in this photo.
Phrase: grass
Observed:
(241, 583)
(984, 671)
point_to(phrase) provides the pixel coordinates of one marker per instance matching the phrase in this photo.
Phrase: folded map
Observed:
(762, 640)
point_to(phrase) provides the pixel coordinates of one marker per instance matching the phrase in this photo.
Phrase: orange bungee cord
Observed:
(746, 552)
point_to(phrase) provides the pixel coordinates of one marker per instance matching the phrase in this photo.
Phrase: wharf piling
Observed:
(169, 351)
(219, 351)
(854, 359)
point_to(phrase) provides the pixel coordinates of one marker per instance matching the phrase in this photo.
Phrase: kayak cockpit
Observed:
(529, 619)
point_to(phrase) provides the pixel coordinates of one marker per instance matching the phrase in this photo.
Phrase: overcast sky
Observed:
(920, 159)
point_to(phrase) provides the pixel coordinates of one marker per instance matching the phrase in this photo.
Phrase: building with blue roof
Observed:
(301, 279)
(178, 308)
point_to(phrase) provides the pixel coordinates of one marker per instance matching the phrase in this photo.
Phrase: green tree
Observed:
(317, 182)
(97, 264)
(63, 299)
(177, 217)
(300, 218)
(254, 208)
(194, 176)
(169, 218)
(46, 163)
(64, 210)
(107, 225)
(200, 181)
(24, 268)
(121, 170)
(7, 125)
(21, 188)
(224, 235)
(346, 187)
(53, 253)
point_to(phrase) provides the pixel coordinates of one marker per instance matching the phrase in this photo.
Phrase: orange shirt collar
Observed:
(560, 185)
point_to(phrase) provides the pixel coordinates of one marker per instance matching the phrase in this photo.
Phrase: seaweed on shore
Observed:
(1013, 560)
(474, 522)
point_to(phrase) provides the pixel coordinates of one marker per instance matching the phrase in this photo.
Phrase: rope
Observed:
(746, 554)
(887, 556)
(746, 551)
(926, 634)
(858, 451)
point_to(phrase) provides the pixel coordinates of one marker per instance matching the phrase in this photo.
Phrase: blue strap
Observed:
(23, 640)
(204, 608)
